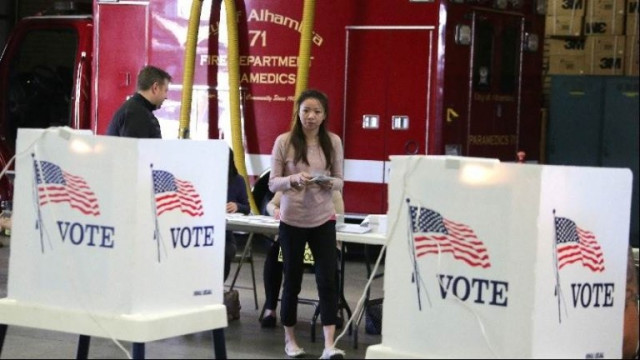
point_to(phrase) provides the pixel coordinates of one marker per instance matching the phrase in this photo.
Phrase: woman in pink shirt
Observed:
(306, 165)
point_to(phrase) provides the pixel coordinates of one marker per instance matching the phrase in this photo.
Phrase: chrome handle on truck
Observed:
(370, 121)
(400, 122)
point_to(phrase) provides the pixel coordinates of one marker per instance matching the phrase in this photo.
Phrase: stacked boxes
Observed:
(564, 56)
(604, 55)
(604, 30)
(591, 37)
(564, 25)
(563, 44)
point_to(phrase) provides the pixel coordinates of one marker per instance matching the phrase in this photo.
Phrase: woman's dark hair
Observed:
(233, 171)
(296, 136)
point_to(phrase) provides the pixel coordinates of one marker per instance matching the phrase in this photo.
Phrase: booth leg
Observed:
(3, 332)
(83, 347)
(138, 350)
(219, 346)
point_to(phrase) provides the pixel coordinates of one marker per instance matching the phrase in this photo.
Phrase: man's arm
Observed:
(114, 126)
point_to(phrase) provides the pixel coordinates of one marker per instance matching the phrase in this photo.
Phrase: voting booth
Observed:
(110, 225)
(504, 260)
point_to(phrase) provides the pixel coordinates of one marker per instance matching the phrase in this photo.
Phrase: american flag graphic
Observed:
(433, 234)
(173, 193)
(574, 244)
(56, 186)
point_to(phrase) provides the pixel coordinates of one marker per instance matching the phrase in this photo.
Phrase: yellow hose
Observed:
(304, 52)
(234, 97)
(304, 60)
(189, 65)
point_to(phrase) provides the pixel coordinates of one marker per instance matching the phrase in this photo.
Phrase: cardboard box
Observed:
(613, 45)
(631, 56)
(596, 25)
(632, 7)
(631, 24)
(122, 225)
(605, 8)
(574, 8)
(573, 46)
(604, 55)
(565, 64)
(604, 64)
(563, 25)
(479, 262)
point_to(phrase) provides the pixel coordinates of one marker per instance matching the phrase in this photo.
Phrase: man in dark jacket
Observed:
(135, 117)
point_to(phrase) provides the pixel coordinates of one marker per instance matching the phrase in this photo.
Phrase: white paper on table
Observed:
(353, 228)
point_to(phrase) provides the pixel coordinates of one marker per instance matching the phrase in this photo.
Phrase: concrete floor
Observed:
(245, 339)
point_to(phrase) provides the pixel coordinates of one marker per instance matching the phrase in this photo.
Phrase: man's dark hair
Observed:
(149, 75)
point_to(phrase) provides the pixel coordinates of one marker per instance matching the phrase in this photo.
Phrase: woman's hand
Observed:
(327, 185)
(276, 213)
(232, 207)
(300, 180)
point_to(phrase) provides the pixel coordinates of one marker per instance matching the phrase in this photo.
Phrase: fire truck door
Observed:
(494, 116)
(386, 107)
(122, 51)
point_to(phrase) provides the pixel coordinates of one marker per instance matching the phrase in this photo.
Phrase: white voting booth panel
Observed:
(495, 260)
(117, 225)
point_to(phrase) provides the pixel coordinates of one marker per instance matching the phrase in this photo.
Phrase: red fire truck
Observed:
(458, 77)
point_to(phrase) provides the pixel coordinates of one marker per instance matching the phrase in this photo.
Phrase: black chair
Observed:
(261, 193)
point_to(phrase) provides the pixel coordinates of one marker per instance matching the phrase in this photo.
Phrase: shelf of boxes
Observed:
(590, 37)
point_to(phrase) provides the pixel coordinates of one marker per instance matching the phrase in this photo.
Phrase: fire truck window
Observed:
(509, 62)
(482, 62)
(41, 80)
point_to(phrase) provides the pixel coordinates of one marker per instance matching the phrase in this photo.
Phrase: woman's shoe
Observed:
(333, 353)
(268, 322)
(294, 353)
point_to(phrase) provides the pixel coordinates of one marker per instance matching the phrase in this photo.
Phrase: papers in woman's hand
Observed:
(321, 178)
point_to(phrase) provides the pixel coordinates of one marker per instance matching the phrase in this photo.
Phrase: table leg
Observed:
(342, 301)
(3, 332)
(247, 246)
